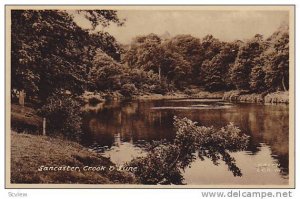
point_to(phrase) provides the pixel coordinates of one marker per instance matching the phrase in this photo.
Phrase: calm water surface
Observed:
(119, 130)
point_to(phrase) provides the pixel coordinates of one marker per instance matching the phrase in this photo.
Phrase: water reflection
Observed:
(119, 130)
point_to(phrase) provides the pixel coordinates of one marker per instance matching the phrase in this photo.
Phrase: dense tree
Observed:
(176, 68)
(277, 63)
(145, 81)
(212, 47)
(146, 53)
(37, 49)
(149, 53)
(105, 42)
(105, 73)
(51, 58)
(215, 72)
(248, 57)
(257, 79)
(48, 50)
(190, 50)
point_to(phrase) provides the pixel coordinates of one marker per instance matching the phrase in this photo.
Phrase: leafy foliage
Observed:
(258, 65)
(51, 52)
(277, 61)
(105, 72)
(52, 55)
(150, 54)
(102, 17)
(189, 51)
(164, 162)
(215, 71)
(128, 90)
(248, 57)
(106, 42)
(42, 57)
(63, 116)
(76, 59)
(145, 81)
(257, 77)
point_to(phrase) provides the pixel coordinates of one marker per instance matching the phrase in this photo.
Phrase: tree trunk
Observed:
(283, 85)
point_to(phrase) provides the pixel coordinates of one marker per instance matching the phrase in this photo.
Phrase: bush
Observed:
(62, 116)
(127, 90)
(145, 81)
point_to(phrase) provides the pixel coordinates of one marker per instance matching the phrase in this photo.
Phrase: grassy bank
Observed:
(190, 94)
(95, 98)
(30, 152)
(245, 96)
(277, 97)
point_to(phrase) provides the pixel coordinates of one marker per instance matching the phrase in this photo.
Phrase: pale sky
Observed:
(224, 25)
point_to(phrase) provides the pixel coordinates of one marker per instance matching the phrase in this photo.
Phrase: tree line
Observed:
(257, 64)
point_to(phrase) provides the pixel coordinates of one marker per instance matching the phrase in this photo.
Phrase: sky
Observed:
(225, 25)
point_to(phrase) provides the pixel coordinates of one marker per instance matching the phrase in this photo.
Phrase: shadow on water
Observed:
(120, 130)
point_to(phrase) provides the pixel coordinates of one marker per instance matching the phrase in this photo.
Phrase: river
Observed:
(120, 130)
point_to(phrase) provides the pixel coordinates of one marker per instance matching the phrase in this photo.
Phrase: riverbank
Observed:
(30, 152)
(233, 96)
(180, 95)
(95, 98)
(245, 96)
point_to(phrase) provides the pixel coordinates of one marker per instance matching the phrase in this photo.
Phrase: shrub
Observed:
(62, 116)
(127, 90)
(145, 81)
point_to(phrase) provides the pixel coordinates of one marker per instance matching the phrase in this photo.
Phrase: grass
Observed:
(29, 152)
(277, 97)
(190, 93)
(245, 96)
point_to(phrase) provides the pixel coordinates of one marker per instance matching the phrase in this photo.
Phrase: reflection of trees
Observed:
(264, 123)
(96, 133)
(251, 126)
(137, 121)
(277, 135)
(267, 124)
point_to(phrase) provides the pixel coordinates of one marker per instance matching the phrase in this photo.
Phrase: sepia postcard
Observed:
(150, 96)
